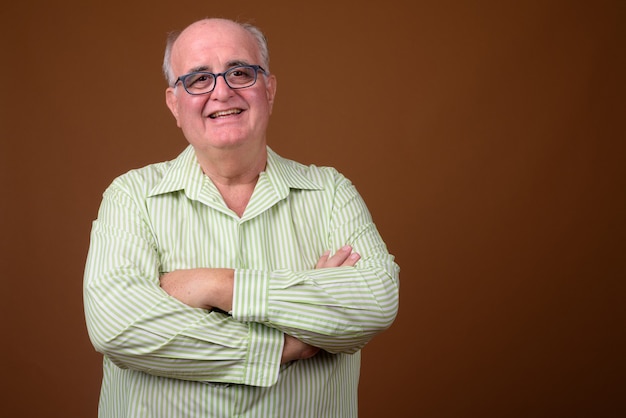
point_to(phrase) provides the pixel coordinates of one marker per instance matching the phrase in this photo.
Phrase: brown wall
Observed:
(488, 141)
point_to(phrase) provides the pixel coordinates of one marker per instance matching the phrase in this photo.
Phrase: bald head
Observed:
(210, 28)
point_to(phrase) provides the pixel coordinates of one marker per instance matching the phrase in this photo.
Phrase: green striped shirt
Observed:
(163, 358)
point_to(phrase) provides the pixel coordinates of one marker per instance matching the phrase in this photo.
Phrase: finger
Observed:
(351, 260)
(339, 257)
(323, 260)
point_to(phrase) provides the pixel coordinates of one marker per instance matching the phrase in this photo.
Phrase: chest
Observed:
(288, 233)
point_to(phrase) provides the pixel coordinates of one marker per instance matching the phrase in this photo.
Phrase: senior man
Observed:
(231, 282)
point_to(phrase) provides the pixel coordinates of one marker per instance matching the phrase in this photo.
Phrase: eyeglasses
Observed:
(203, 82)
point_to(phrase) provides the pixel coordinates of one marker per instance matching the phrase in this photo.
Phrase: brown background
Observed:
(487, 139)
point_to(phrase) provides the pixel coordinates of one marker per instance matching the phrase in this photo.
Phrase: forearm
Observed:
(147, 330)
(337, 309)
(194, 353)
(205, 288)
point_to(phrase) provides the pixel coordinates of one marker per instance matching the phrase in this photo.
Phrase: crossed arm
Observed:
(144, 319)
(211, 288)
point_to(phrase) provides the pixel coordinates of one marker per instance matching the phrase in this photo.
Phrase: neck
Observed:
(233, 167)
(234, 173)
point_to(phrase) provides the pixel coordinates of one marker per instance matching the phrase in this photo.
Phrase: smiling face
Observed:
(224, 118)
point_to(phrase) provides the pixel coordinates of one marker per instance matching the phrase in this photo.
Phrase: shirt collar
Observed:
(185, 173)
(286, 174)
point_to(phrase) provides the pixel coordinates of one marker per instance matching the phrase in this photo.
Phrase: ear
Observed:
(171, 99)
(270, 89)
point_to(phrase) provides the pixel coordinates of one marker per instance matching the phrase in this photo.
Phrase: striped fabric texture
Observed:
(165, 359)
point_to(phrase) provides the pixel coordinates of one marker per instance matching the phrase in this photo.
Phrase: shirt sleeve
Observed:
(336, 309)
(136, 324)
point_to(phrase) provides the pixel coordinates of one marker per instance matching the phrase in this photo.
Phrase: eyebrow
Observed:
(230, 64)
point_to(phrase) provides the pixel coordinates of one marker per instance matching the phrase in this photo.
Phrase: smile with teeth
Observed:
(223, 113)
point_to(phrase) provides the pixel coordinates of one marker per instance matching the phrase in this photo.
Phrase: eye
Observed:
(198, 80)
(240, 75)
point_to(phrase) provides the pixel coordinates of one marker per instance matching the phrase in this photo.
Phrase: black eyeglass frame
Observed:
(255, 67)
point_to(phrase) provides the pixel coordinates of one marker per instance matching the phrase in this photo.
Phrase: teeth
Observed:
(225, 113)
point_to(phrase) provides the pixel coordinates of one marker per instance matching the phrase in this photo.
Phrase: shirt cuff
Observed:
(264, 355)
(250, 295)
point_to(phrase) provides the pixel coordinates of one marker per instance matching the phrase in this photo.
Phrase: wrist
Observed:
(221, 296)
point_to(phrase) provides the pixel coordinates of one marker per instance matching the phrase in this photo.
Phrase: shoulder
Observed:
(140, 180)
(166, 176)
(301, 175)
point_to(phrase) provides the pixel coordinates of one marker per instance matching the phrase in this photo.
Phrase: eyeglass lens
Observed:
(236, 78)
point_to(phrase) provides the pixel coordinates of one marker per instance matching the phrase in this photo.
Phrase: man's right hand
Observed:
(295, 349)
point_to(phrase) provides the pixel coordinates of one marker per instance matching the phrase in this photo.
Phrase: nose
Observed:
(221, 90)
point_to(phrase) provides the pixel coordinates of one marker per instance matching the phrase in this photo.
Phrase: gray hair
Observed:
(260, 38)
